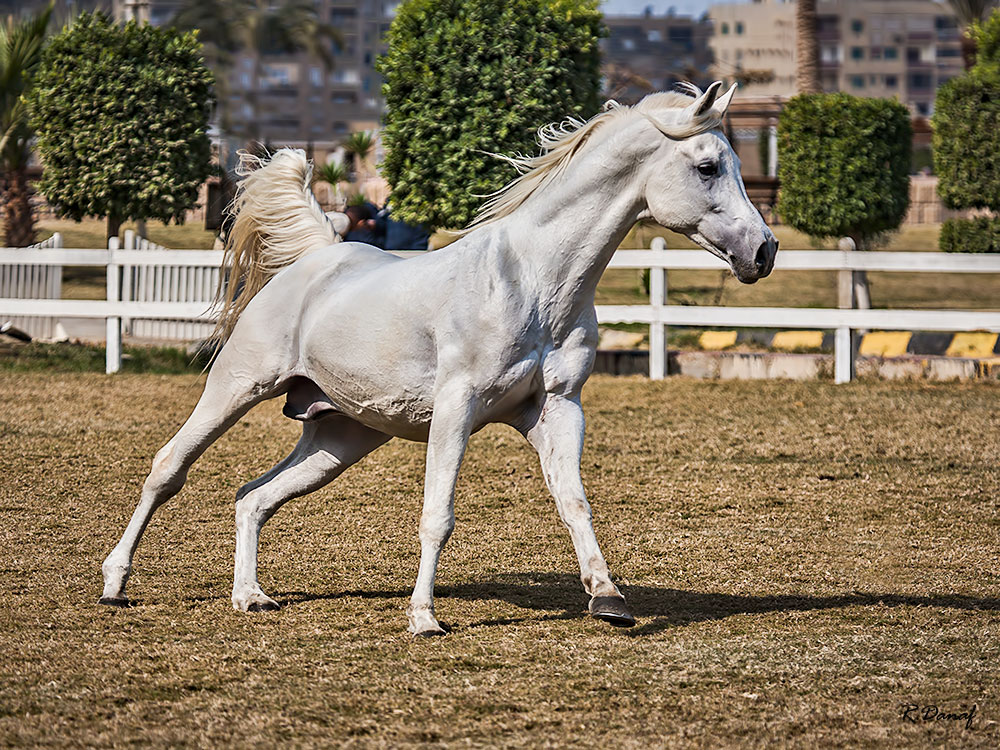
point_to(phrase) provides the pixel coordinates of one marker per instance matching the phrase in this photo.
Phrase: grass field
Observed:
(804, 559)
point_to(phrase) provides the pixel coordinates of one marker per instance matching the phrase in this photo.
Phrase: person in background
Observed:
(399, 235)
(362, 225)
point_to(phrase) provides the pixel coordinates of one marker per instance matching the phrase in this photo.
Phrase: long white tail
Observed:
(277, 221)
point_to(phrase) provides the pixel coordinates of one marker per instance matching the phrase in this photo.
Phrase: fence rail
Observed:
(844, 321)
(178, 302)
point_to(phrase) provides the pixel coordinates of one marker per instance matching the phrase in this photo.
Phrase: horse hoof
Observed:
(263, 607)
(113, 601)
(430, 633)
(612, 610)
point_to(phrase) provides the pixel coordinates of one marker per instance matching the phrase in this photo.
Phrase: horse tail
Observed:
(276, 220)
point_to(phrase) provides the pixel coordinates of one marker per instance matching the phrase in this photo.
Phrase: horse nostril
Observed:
(761, 258)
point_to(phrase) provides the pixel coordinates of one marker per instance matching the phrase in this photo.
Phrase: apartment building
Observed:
(651, 52)
(294, 98)
(889, 48)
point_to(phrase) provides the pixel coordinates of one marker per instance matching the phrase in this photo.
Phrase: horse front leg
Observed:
(450, 428)
(557, 436)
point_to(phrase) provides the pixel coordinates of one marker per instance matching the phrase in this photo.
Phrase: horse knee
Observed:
(436, 528)
(165, 478)
(574, 512)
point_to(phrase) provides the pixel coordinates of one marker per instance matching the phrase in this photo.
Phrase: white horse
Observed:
(497, 327)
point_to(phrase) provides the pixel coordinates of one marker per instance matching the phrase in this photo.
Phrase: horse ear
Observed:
(722, 103)
(706, 100)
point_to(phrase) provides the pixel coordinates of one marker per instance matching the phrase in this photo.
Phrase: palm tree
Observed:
(360, 145)
(969, 13)
(807, 79)
(20, 52)
(332, 173)
(257, 28)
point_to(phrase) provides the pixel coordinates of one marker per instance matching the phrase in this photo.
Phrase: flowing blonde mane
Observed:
(560, 142)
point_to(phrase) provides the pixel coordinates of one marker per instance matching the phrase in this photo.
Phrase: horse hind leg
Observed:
(225, 399)
(327, 447)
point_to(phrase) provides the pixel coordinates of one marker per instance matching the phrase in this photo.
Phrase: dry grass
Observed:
(800, 572)
(91, 233)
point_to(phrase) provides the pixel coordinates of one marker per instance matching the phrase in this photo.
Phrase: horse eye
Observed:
(708, 168)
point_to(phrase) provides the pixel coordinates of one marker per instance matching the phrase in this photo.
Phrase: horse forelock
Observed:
(560, 142)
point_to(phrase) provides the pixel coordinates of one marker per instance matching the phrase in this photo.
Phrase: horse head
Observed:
(693, 183)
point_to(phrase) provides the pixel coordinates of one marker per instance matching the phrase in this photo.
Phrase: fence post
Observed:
(113, 337)
(844, 338)
(657, 329)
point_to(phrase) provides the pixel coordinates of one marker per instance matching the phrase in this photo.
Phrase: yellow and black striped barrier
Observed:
(972, 345)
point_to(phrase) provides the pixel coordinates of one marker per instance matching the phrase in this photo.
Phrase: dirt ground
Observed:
(806, 561)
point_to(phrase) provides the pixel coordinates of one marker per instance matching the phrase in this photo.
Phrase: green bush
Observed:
(979, 235)
(967, 141)
(121, 115)
(468, 78)
(844, 166)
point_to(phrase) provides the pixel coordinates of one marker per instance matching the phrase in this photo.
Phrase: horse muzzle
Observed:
(750, 269)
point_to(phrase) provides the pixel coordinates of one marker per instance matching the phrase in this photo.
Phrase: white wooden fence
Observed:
(28, 280)
(843, 321)
(658, 315)
(166, 283)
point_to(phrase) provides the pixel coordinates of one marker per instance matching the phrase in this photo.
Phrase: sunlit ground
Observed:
(804, 559)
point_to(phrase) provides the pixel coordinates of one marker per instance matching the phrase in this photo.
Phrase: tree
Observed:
(256, 28)
(966, 144)
(20, 52)
(807, 80)
(844, 168)
(844, 165)
(359, 145)
(465, 79)
(970, 13)
(121, 115)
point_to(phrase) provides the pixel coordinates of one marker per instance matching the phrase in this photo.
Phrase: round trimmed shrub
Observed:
(468, 78)
(121, 114)
(966, 141)
(844, 166)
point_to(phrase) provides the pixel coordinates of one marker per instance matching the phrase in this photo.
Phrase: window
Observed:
(830, 54)
(912, 54)
(857, 53)
(654, 35)
(890, 53)
(920, 81)
(923, 108)
(875, 53)
(725, 28)
(315, 76)
(948, 51)
(739, 27)
(891, 82)
(857, 25)
(857, 82)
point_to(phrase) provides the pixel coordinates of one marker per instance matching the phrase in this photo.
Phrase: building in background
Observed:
(886, 48)
(651, 53)
(299, 101)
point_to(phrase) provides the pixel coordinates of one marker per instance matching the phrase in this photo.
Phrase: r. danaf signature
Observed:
(932, 714)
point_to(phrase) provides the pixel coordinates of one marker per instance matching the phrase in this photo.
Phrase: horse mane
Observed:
(560, 142)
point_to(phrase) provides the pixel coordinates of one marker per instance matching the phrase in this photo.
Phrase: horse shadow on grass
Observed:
(559, 596)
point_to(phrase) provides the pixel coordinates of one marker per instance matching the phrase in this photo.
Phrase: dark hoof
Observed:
(263, 607)
(430, 633)
(110, 602)
(612, 610)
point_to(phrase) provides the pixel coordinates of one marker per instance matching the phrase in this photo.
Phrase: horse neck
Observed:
(567, 234)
